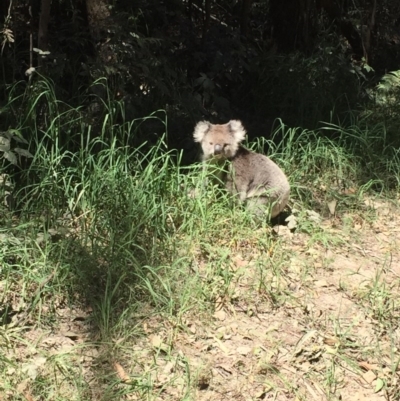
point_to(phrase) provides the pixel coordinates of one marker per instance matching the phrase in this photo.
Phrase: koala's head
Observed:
(219, 140)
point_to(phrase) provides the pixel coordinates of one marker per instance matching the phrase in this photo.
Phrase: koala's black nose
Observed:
(217, 149)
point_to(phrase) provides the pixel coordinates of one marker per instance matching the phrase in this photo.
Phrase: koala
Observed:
(254, 178)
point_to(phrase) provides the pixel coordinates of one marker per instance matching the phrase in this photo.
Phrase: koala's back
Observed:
(253, 175)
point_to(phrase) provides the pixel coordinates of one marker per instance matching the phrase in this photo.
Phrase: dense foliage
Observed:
(304, 62)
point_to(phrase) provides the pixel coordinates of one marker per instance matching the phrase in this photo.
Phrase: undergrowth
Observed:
(122, 236)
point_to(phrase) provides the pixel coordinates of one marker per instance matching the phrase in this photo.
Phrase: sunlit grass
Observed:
(115, 253)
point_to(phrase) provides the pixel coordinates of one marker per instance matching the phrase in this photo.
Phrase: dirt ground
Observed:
(320, 324)
(334, 336)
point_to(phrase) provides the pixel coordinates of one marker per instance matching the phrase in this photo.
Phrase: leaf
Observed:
(332, 206)
(22, 386)
(379, 385)
(313, 216)
(30, 71)
(156, 341)
(304, 340)
(16, 135)
(70, 334)
(41, 237)
(4, 144)
(221, 345)
(333, 341)
(220, 315)
(23, 152)
(169, 367)
(369, 376)
(367, 366)
(41, 52)
(10, 156)
(28, 396)
(201, 79)
(243, 350)
(227, 368)
(321, 283)
(291, 222)
(121, 372)
(282, 231)
(221, 102)
(31, 369)
(192, 328)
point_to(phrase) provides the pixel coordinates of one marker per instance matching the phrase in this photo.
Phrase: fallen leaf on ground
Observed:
(31, 368)
(156, 341)
(367, 366)
(121, 372)
(28, 396)
(243, 350)
(369, 376)
(314, 216)
(220, 314)
(225, 367)
(331, 341)
(332, 206)
(169, 367)
(379, 385)
(221, 345)
(282, 231)
(321, 283)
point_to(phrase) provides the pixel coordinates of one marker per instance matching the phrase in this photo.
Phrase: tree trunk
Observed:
(244, 20)
(292, 26)
(43, 38)
(207, 16)
(368, 32)
(190, 9)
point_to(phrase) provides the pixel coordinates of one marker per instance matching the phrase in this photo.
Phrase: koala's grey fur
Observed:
(255, 178)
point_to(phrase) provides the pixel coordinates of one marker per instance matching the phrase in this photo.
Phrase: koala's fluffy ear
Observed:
(237, 130)
(200, 130)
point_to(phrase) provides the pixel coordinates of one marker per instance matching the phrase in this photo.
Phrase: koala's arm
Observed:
(204, 175)
(235, 184)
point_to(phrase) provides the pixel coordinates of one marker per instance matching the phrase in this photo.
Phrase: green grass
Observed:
(109, 260)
